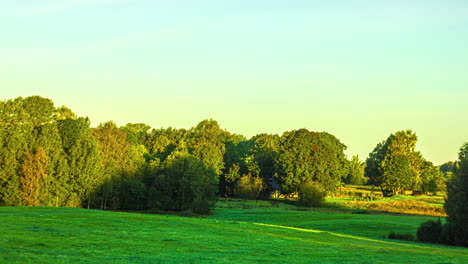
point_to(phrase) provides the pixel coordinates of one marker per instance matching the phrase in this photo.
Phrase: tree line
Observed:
(51, 157)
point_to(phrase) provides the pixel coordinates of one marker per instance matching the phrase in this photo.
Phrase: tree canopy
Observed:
(310, 156)
(52, 157)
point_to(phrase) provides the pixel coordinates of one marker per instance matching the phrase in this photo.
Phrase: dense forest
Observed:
(51, 157)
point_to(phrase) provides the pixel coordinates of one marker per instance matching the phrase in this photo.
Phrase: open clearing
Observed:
(261, 233)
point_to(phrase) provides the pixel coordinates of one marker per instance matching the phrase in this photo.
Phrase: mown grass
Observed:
(265, 233)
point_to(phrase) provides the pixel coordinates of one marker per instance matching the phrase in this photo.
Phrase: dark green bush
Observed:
(398, 236)
(430, 231)
(311, 194)
(360, 211)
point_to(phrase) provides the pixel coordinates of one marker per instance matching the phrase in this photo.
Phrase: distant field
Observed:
(238, 232)
(346, 221)
(370, 198)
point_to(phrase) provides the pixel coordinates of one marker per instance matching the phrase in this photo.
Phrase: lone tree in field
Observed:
(456, 204)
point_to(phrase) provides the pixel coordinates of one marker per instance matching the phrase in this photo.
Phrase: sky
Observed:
(357, 69)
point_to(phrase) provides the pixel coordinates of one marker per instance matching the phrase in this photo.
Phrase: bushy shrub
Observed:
(249, 187)
(430, 231)
(311, 194)
(404, 237)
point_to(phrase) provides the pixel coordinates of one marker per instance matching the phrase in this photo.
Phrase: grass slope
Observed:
(64, 235)
(325, 219)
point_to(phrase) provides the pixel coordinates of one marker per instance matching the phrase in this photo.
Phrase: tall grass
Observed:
(369, 198)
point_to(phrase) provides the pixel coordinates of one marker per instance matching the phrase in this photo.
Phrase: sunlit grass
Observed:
(237, 232)
(369, 198)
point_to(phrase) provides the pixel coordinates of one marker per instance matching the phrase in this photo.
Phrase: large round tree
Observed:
(310, 156)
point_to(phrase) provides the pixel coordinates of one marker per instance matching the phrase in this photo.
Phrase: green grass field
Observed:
(237, 232)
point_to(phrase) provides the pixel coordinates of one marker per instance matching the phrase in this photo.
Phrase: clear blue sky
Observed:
(357, 69)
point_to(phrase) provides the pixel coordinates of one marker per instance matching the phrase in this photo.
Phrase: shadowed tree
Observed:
(235, 156)
(265, 152)
(113, 148)
(82, 155)
(456, 204)
(374, 163)
(185, 183)
(28, 124)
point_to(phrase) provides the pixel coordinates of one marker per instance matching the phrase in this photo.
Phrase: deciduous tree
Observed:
(310, 156)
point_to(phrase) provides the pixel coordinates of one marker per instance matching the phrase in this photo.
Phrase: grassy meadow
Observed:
(237, 232)
(370, 199)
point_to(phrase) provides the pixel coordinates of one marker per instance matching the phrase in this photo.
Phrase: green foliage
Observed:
(15, 135)
(230, 179)
(356, 172)
(160, 143)
(120, 161)
(85, 173)
(310, 156)
(311, 194)
(374, 163)
(185, 183)
(456, 204)
(137, 134)
(448, 167)
(265, 152)
(395, 166)
(430, 231)
(133, 195)
(205, 141)
(63, 113)
(250, 187)
(40, 110)
(431, 177)
(396, 174)
(33, 178)
(399, 236)
(236, 162)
